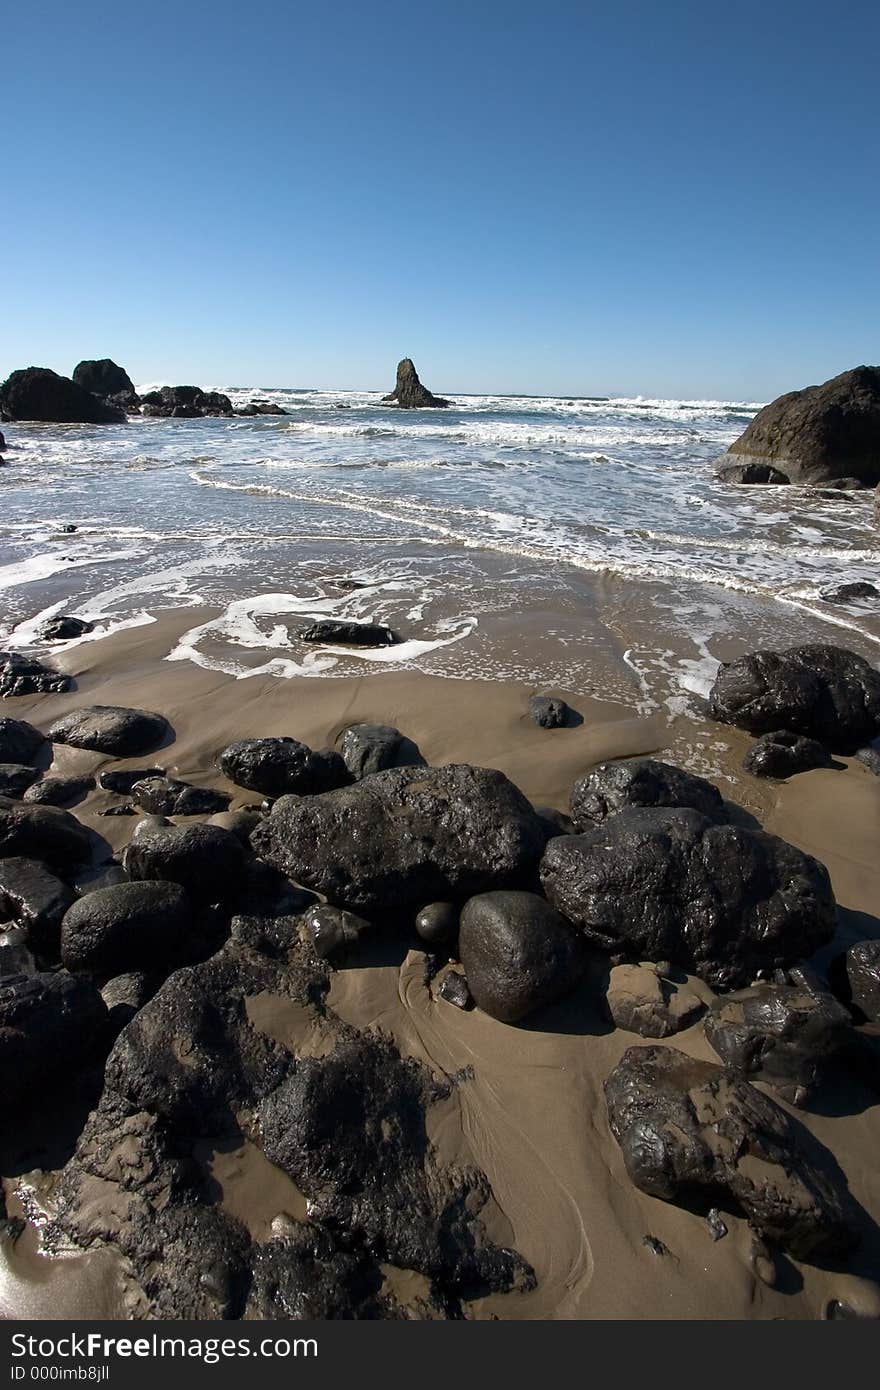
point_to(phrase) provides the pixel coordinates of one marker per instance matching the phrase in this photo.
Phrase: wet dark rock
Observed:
(261, 407)
(611, 787)
(104, 378)
(548, 712)
(65, 628)
(554, 822)
(124, 809)
(437, 923)
(760, 473)
(784, 754)
(42, 832)
(409, 393)
(185, 402)
(349, 634)
(121, 780)
(641, 1000)
(716, 1224)
(824, 692)
(282, 766)
(863, 975)
(454, 989)
(36, 393)
(19, 741)
(870, 758)
(22, 675)
(721, 901)
(165, 796)
(821, 433)
(207, 861)
(113, 729)
(406, 837)
(125, 994)
(368, 748)
(333, 931)
(130, 926)
(59, 791)
(848, 593)
(31, 897)
(687, 1127)
(15, 779)
(518, 953)
(48, 1023)
(781, 1034)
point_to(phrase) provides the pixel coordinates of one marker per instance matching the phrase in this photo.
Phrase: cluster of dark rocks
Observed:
(142, 983)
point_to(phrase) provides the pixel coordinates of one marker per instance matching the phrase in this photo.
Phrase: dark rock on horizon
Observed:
(784, 754)
(23, 675)
(349, 634)
(821, 691)
(405, 837)
(185, 402)
(762, 474)
(686, 1126)
(721, 901)
(207, 861)
(260, 407)
(108, 381)
(166, 796)
(36, 393)
(409, 393)
(15, 778)
(822, 434)
(48, 1023)
(282, 767)
(614, 786)
(128, 926)
(548, 712)
(113, 729)
(368, 748)
(59, 791)
(518, 953)
(45, 833)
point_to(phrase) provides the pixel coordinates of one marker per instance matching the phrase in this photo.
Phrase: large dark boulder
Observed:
(780, 1034)
(48, 1023)
(103, 378)
(409, 393)
(36, 393)
(518, 953)
(19, 741)
(206, 860)
(368, 748)
(185, 402)
(23, 675)
(349, 634)
(688, 1128)
(820, 434)
(282, 766)
(611, 787)
(823, 692)
(784, 754)
(406, 837)
(42, 832)
(130, 926)
(721, 901)
(113, 729)
(32, 898)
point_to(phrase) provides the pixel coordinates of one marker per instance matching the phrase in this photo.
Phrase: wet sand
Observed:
(531, 1111)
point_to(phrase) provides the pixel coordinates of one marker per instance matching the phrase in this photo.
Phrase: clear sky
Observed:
(577, 198)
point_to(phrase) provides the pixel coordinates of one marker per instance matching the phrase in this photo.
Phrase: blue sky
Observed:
(593, 198)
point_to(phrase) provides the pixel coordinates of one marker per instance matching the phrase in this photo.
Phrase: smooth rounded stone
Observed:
(333, 930)
(24, 675)
(820, 691)
(15, 779)
(686, 1126)
(112, 729)
(42, 832)
(870, 758)
(850, 593)
(59, 791)
(207, 861)
(454, 990)
(554, 822)
(130, 926)
(405, 837)
(368, 748)
(36, 393)
(821, 433)
(103, 378)
(784, 754)
(640, 1000)
(32, 897)
(121, 780)
(863, 974)
(548, 712)
(65, 628)
(437, 923)
(721, 901)
(611, 787)
(518, 953)
(240, 823)
(780, 1034)
(761, 473)
(281, 766)
(19, 741)
(409, 393)
(48, 1022)
(349, 634)
(166, 796)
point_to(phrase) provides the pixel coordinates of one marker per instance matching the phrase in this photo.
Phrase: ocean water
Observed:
(506, 536)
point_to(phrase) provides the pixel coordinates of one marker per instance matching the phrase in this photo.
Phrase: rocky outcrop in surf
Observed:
(409, 393)
(37, 393)
(185, 403)
(108, 382)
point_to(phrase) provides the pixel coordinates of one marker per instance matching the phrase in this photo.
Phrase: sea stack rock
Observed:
(409, 393)
(828, 434)
(36, 393)
(108, 381)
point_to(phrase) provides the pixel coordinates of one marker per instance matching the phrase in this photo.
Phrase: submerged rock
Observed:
(122, 732)
(129, 926)
(36, 393)
(823, 692)
(22, 675)
(518, 953)
(409, 393)
(48, 1023)
(642, 1001)
(165, 796)
(282, 767)
(611, 787)
(45, 833)
(407, 836)
(19, 741)
(349, 634)
(784, 754)
(720, 901)
(686, 1127)
(368, 748)
(848, 593)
